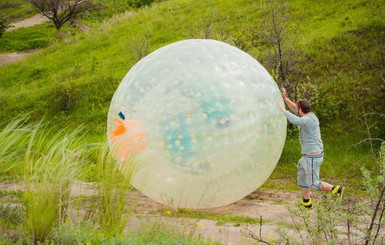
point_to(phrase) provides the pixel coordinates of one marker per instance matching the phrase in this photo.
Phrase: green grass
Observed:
(162, 234)
(102, 10)
(114, 186)
(28, 38)
(16, 10)
(342, 161)
(72, 81)
(52, 162)
(40, 36)
(99, 60)
(13, 139)
(333, 19)
(221, 219)
(11, 216)
(147, 233)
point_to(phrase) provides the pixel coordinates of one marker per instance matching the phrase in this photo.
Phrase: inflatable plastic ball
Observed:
(200, 119)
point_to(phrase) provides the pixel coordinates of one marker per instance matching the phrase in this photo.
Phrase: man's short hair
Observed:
(304, 105)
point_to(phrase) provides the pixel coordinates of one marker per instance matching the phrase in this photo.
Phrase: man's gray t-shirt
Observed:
(309, 132)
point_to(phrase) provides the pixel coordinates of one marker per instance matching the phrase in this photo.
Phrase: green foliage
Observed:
(335, 221)
(374, 184)
(52, 162)
(221, 219)
(148, 233)
(16, 10)
(161, 233)
(104, 59)
(72, 81)
(140, 3)
(3, 24)
(10, 216)
(27, 38)
(323, 226)
(113, 192)
(13, 140)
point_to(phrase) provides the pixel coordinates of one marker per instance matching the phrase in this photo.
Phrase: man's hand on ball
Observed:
(281, 107)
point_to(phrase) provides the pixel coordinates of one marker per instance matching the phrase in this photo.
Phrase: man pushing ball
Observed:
(312, 149)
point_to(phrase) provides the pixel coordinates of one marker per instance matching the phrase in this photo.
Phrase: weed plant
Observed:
(347, 221)
(13, 140)
(114, 204)
(148, 233)
(374, 184)
(52, 162)
(161, 233)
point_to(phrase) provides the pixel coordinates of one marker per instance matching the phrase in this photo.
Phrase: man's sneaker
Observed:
(307, 204)
(338, 191)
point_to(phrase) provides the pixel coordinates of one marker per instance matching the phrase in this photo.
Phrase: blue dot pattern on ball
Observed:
(199, 116)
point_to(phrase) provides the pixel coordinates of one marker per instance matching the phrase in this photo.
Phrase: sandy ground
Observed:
(34, 20)
(10, 58)
(270, 205)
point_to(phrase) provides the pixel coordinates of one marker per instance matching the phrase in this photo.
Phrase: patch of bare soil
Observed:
(10, 58)
(34, 20)
(271, 206)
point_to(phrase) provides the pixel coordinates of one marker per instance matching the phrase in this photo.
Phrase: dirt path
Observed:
(270, 205)
(34, 20)
(10, 58)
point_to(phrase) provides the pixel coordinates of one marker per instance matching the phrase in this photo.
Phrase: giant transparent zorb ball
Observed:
(200, 120)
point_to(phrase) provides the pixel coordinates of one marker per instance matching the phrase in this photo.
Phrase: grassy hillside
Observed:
(340, 65)
(16, 9)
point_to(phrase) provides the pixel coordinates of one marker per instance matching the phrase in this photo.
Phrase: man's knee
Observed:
(316, 185)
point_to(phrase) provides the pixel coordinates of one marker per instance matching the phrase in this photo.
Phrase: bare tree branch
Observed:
(278, 30)
(60, 11)
(372, 223)
(367, 139)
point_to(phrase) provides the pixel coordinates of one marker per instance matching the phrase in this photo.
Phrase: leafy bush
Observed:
(140, 3)
(3, 24)
(336, 221)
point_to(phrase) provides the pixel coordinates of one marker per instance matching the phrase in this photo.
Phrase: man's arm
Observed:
(291, 117)
(288, 102)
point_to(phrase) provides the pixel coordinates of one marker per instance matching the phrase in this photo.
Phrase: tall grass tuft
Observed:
(13, 139)
(52, 162)
(114, 187)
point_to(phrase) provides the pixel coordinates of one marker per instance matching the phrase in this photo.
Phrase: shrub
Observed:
(140, 3)
(3, 24)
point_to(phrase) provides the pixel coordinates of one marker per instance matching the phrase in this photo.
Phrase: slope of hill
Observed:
(340, 66)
